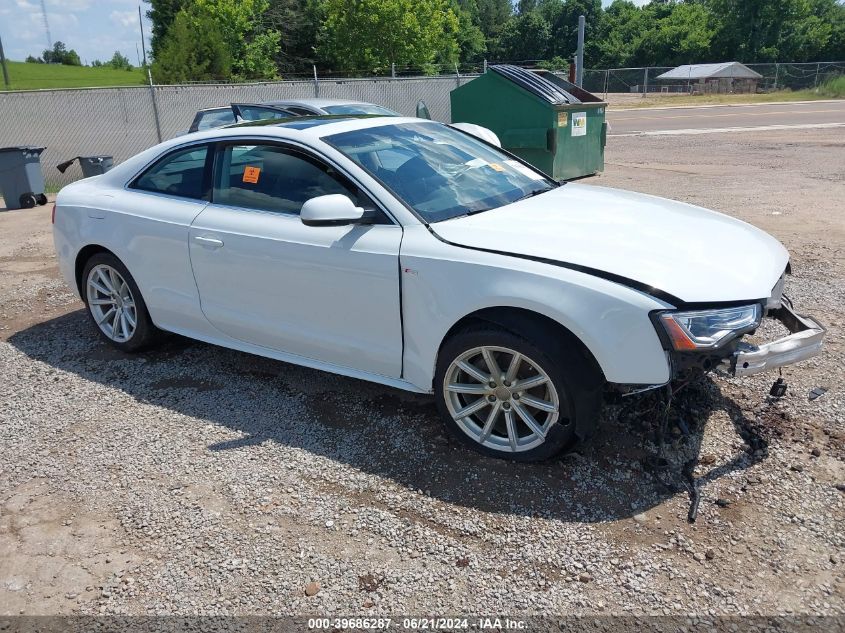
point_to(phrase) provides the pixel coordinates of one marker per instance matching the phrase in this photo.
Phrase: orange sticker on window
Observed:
(497, 166)
(251, 174)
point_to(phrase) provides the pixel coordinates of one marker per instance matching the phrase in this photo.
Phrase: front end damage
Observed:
(805, 341)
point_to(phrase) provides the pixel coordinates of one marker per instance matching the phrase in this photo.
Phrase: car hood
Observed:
(681, 251)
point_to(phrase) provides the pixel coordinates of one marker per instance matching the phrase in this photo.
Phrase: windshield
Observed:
(359, 108)
(438, 171)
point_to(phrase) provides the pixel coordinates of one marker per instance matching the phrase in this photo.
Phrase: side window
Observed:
(274, 178)
(180, 173)
(300, 111)
(216, 118)
(257, 113)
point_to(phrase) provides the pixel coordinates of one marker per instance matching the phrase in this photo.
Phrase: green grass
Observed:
(24, 76)
(833, 88)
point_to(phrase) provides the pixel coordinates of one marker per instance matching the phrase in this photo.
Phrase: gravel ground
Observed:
(198, 480)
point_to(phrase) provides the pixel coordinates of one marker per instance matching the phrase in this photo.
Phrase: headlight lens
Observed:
(705, 329)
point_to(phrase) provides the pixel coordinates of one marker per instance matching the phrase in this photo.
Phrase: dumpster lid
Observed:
(535, 84)
(22, 148)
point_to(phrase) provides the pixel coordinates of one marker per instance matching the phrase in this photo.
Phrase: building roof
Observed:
(733, 70)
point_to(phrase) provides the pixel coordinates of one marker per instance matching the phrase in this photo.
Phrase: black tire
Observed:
(145, 333)
(27, 201)
(574, 376)
(41, 199)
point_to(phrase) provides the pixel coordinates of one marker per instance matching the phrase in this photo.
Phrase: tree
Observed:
(162, 13)
(562, 16)
(119, 62)
(193, 50)
(491, 16)
(675, 34)
(61, 55)
(367, 35)
(34, 60)
(252, 45)
(298, 22)
(773, 30)
(621, 32)
(525, 37)
(472, 44)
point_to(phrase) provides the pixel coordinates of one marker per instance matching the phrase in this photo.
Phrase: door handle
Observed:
(208, 241)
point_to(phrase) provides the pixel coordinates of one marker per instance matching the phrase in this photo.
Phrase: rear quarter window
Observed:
(179, 173)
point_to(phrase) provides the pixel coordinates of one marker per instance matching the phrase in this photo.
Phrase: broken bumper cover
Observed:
(805, 342)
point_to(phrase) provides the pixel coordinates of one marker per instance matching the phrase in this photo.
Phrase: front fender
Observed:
(441, 284)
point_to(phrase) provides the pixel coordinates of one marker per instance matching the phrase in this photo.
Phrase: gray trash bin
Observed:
(95, 165)
(21, 180)
(91, 165)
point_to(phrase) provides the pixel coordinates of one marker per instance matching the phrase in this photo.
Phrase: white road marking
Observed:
(611, 109)
(723, 130)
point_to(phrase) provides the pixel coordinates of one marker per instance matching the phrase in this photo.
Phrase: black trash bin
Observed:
(21, 180)
(91, 165)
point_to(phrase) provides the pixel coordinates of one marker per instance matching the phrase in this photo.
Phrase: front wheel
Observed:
(508, 397)
(115, 304)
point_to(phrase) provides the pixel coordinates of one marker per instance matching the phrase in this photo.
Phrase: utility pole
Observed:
(143, 43)
(3, 63)
(579, 64)
(46, 25)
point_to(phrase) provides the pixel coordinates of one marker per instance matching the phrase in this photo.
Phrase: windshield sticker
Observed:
(579, 124)
(251, 175)
(522, 169)
(496, 166)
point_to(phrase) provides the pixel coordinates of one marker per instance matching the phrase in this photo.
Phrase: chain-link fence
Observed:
(122, 121)
(732, 80)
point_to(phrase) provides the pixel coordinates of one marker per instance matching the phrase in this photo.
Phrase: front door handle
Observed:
(208, 241)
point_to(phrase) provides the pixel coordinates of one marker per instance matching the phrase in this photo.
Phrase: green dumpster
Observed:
(547, 121)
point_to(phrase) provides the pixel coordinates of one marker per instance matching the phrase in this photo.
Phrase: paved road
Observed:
(698, 120)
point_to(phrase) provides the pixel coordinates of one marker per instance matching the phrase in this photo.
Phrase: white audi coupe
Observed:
(409, 253)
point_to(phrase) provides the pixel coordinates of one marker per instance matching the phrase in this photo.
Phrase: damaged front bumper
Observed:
(805, 342)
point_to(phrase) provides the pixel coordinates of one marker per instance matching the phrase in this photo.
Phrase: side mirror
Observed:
(332, 210)
(422, 110)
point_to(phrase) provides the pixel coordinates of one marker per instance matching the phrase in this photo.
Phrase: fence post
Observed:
(316, 82)
(392, 70)
(155, 105)
(457, 75)
(777, 71)
(606, 79)
(818, 68)
(645, 81)
(485, 66)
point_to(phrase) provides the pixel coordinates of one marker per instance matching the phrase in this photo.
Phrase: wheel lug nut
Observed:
(507, 383)
(515, 396)
(506, 406)
(491, 398)
(491, 384)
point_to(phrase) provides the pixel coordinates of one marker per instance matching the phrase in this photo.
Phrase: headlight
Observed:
(706, 329)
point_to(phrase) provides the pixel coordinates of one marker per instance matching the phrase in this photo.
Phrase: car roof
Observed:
(312, 127)
(316, 103)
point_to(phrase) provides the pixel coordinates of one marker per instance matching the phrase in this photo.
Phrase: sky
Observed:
(93, 28)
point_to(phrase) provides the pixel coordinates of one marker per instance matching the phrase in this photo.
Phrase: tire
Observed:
(113, 301)
(27, 201)
(572, 386)
(41, 199)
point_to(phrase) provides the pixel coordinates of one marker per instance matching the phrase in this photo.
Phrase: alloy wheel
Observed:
(111, 303)
(501, 398)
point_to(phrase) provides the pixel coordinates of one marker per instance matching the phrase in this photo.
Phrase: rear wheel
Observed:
(509, 397)
(41, 199)
(27, 201)
(115, 304)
